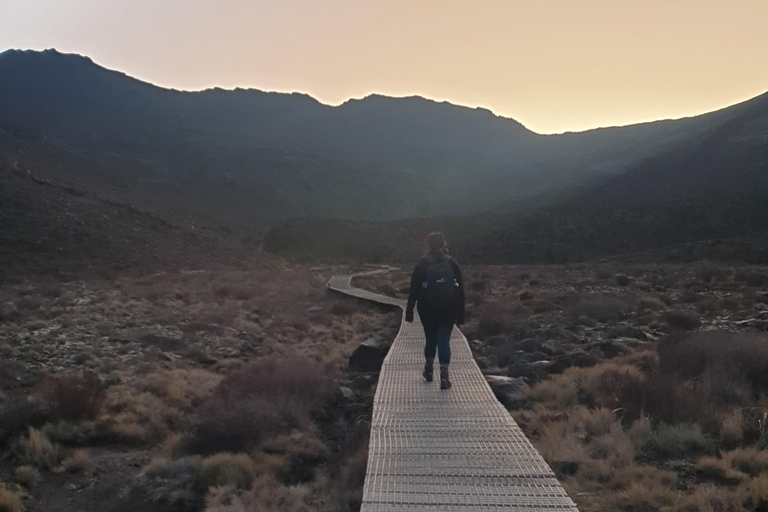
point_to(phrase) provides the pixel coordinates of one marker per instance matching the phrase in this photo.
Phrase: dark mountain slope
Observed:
(704, 197)
(50, 226)
(247, 157)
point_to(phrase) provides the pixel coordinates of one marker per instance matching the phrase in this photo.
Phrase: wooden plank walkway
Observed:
(444, 451)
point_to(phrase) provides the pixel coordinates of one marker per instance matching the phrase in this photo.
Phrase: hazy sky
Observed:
(554, 65)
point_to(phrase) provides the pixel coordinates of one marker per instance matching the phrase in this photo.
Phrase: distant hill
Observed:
(251, 158)
(202, 175)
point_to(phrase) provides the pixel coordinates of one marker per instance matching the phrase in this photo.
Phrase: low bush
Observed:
(227, 469)
(35, 449)
(17, 414)
(256, 401)
(174, 483)
(681, 320)
(10, 501)
(72, 397)
(28, 476)
(724, 361)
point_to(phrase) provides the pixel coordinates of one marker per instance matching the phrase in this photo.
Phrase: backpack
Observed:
(439, 286)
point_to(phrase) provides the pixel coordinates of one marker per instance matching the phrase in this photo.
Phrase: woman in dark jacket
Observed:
(438, 288)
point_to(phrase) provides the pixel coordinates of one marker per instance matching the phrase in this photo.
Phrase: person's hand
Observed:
(409, 316)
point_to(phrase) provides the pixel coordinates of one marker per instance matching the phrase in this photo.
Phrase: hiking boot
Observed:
(445, 382)
(428, 371)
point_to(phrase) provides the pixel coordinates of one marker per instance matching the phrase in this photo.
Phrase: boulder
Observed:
(509, 391)
(529, 345)
(369, 355)
(347, 393)
(626, 331)
(532, 357)
(531, 372)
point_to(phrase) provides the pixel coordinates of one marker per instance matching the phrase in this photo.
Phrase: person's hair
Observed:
(435, 241)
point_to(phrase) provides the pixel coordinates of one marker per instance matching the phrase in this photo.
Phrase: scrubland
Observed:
(645, 387)
(185, 390)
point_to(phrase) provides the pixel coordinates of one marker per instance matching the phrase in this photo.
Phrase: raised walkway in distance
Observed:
(457, 450)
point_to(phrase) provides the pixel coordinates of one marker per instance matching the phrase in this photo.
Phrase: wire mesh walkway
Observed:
(443, 451)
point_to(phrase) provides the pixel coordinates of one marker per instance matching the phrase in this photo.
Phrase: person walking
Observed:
(438, 289)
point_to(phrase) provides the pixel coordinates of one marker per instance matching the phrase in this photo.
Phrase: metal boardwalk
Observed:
(444, 451)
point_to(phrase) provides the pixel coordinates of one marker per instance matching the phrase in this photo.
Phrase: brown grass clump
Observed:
(718, 471)
(182, 388)
(227, 469)
(10, 501)
(266, 495)
(35, 449)
(751, 461)
(638, 497)
(78, 462)
(175, 483)
(681, 320)
(28, 476)
(138, 417)
(72, 397)
(713, 498)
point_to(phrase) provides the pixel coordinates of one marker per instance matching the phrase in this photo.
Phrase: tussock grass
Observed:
(10, 501)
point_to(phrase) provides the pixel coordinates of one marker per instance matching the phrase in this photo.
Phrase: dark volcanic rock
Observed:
(531, 372)
(509, 391)
(369, 355)
(530, 345)
(626, 331)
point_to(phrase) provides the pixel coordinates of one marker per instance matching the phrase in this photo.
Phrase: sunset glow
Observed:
(554, 65)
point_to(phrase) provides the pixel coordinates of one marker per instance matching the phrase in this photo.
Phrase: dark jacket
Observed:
(430, 317)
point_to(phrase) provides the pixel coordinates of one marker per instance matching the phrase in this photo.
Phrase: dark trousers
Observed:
(438, 340)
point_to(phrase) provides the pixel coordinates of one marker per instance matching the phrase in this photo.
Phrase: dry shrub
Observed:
(258, 400)
(35, 449)
(17, 414)
(647, 476)
(70, 432)
(708, 273)
(266, 495)
(731, 428)
(650, 304)
(718, 471)
(756, 491)
(602, 385)
(681, 320)
(138, 417)
(10, 501)
(747, 460)
(638, 497)
(727, 359)
(301, 453)
(78, 462)
(558, 444)
(497, 318)
(711, 498)
(182, 388)
(72, 397)
(681, 440)
(614, 447)
(175, 483)
(28, 476)
(227, 469)
(556, 393)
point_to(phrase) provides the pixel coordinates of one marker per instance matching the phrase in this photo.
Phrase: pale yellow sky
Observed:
(554, 65)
